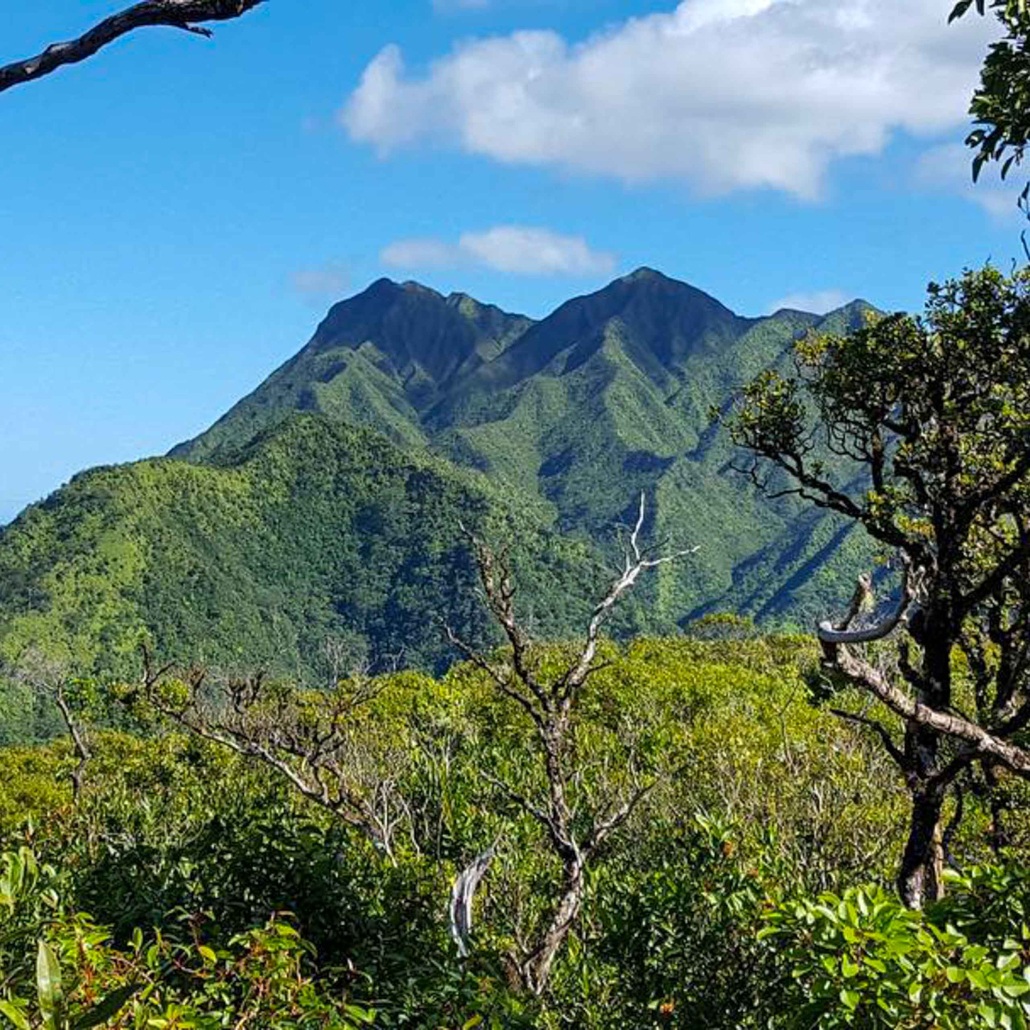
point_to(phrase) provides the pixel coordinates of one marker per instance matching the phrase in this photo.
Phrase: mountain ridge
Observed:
(549, 428)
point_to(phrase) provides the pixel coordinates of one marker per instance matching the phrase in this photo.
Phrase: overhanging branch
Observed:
(188, 15)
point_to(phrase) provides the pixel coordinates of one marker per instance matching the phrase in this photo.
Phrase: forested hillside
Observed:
(329, 503)
(612, 394)
(316, 532)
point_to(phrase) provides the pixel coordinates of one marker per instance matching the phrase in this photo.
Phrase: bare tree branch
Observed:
(310, 740)
(188, 15)
(462, 896)
(50, 677)
(880, 730)
(635, 562)
(984, 744)
(78, 736)
(576, 830)
(833, 635)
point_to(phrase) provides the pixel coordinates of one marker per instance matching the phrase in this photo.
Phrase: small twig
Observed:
(880, 730)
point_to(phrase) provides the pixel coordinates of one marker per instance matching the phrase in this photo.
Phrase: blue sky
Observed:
(177, 214)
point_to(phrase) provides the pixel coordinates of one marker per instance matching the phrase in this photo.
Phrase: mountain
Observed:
(316, 531)
(610, 395)
(379, 359)
(327, 502)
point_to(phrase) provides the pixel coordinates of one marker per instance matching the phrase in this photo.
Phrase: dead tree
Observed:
(49, 678)
(188, 15)
(321, 742)
(574, 836)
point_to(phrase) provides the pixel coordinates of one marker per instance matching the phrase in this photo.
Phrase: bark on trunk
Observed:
(536, 969)
(921, 879)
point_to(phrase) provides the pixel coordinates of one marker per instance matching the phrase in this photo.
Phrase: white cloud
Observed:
(948, 169)
(318, 283)
(722, 94)
(818, 302)
(525, 251)
(514, 249)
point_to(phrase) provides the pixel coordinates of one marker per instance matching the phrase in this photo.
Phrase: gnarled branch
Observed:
(984, 743)
(833, 635)
(188, 15)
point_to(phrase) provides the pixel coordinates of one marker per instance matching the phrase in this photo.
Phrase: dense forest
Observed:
(748, 888)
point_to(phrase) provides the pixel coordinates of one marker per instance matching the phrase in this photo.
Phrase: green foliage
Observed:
(929, 418)
(727, 902)
(81, 978)
(201, 849)
(318, 533)
(862, 959)
(290, 526)
(897, 398)
(1001, 104)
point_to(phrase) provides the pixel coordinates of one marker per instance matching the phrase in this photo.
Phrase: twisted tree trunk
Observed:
(921, 877)
(536, 968)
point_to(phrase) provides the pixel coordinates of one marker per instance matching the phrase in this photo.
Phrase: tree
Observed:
(49, 678)
(918, 430)
(322, 742)
(188, 15)
(576, 827)
(1001, 104)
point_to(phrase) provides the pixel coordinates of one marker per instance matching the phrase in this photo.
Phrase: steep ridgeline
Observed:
(327, 503)
(576, 414)
(380, 359)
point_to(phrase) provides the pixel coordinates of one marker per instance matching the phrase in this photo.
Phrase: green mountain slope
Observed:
(327, 503)
(316, 531)
(378, 359)
(609, 396)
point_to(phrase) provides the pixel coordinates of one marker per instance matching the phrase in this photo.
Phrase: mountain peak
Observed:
(662, 320)
(645, 274)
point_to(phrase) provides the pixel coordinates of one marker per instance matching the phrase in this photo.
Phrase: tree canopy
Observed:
(931, 416)
(1001, 104)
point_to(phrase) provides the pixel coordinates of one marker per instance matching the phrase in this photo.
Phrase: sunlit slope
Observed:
(317, 531)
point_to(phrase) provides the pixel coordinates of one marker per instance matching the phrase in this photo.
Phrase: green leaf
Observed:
(106, 1010)
(360, 1014)
(850, 998)
(15, 1015)
(48, 985)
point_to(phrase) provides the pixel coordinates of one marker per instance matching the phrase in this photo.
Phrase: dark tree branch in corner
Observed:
(188, 15)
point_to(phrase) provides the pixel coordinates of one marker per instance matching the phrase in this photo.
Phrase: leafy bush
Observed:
(61, 971)
(861, 959)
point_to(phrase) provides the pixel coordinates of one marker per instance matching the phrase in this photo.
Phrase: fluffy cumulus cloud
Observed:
(722, 94)
(515, 249)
